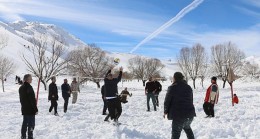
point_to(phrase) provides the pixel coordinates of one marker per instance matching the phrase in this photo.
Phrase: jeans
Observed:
(28, 122)
(149, 96)
(54, 105)
(114, 108)
(178, 125)
(66, 102)
(157, 100)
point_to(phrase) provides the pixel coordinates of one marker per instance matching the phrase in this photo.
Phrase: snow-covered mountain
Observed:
(28, 29)
(20, 31)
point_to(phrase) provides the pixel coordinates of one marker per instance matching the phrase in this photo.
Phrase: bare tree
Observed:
(46, 61)
(3, 40)
(6, 68)
(142, 68)
(203, 72)
(183, 60)
(224, 57)
(153, 67)
(137, 67)
(89, 62)
(192, 61)
(251, 69)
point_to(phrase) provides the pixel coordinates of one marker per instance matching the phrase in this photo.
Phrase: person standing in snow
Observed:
(157, 92)
(235, 99)
(28, 107)
(104, 100)
(65, 87)
(178, 106)
(111, 94)
(75, 90)
(150, 90)
(211, 98)
(53, 96)
(123, 95)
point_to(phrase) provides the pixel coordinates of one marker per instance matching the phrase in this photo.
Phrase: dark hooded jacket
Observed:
(110, 88)
(178, 102)
(53, 92)
(27, 99)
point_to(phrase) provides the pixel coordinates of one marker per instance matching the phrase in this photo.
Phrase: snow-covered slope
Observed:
(29, 29)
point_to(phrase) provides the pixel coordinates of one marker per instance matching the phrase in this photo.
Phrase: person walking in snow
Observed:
(111, 94)
(211, 98)
(28, 107)
(65, 87)
(150, 89)
(104, 100)
(123, 95)
(178, 106)
(53, 95)
(75, 90)
(157, 92)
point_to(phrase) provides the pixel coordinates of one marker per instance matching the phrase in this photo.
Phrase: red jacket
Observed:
(235, 99)
(208, 94)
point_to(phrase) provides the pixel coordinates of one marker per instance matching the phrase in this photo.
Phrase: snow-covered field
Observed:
(84, 120)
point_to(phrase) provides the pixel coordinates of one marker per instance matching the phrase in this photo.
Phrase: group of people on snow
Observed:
(178, 103)
(28, 101)
(67, 90)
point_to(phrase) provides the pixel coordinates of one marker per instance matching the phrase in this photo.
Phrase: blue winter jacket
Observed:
(65, 90)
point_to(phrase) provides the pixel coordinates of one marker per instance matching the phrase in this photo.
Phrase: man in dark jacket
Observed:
(65, 87)
(29, 107)
(150, 90)
(178, 106)
(157, 92)
(53, 96)
(111, 94)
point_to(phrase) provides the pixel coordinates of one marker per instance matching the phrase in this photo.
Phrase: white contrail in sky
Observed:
(182, 13)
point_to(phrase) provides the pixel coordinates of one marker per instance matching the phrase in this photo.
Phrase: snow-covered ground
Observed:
(84, 120)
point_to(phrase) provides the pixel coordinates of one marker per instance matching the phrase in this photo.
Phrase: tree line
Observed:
(50, 57)
(196, 63)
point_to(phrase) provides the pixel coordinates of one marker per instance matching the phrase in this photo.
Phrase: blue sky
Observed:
(119, 25)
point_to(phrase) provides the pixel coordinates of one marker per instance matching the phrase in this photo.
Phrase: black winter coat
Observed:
(65, 88)
(27, 99)
(158, 86)
(150, 86)
(111, 89)
(178, 102)
(103, 91)
(53, 92)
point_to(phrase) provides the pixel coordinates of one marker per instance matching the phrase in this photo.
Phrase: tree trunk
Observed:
(194, 83)
(202, 80)
(144, 82)
(224, 83)
(98, 85)
(44, 84)
(3, 85)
